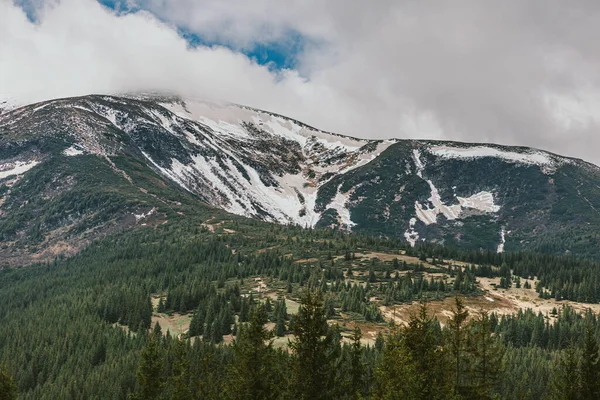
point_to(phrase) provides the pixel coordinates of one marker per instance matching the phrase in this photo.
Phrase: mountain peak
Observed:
(263, 165)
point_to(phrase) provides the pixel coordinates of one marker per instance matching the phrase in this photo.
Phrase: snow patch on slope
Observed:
(293, 198)
(418, 163)
(532, 157)
(16, 168)
(226, 118)
(338, 203)
(72, 151)
(281, 203)
(365, 158)
(411, 235)
(141, 216)
(482, 201)
(502, 240)
(429, 215)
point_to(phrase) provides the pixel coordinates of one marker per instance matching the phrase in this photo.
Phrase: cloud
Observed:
(79, 47)
(508, 72)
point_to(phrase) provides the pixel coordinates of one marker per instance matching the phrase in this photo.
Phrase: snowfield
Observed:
(293, 198)
(16, 168)
(72, 151)
(428, 213)
(532, 157)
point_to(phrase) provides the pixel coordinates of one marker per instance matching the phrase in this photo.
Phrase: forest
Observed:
(81, 327)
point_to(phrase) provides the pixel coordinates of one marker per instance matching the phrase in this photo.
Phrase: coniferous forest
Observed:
(281, 312)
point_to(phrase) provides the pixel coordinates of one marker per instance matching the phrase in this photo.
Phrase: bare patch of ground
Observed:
(368, 330)
(266, 249)
(389, 257)
(211, 227)
(176, 323)
(521, 298)
(307, 260)
(499, 301)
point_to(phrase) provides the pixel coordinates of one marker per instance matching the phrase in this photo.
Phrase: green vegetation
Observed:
(81, 327)
(274, 311)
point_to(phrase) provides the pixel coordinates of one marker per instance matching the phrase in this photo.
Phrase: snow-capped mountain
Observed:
(263, 165)
(7, 104)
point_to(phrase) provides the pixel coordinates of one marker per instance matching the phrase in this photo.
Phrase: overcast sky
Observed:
(509, 72)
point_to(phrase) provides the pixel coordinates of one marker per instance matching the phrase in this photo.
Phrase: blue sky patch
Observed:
(30, 7)
(275, 55)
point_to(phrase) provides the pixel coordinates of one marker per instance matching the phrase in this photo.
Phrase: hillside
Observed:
(181, 219)
(75, 169)
(77, 327)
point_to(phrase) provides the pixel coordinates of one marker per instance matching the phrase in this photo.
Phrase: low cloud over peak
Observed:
(509, 72)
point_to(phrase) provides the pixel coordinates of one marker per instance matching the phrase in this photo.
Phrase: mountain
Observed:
(6, 105)
(78, 168)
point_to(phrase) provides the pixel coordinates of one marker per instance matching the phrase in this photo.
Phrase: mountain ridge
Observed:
(263, 165)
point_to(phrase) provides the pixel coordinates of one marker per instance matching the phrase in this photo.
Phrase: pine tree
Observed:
(312, 368)
(157, 331)
(357, 367)
(280, 326)
(429, 358)
(396, 375)
(253, 372)
(457, 339)
(178, 383)
(161, 306)
(379, 342)
(372, 277)
(565, 379)
(486, 354)
(197, 322)
(150, 372)
(590, 367)
(8, 389)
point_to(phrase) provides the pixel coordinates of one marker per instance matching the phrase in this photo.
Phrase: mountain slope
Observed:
(139, 155)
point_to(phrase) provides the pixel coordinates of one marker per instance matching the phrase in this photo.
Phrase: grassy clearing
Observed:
(176, 324)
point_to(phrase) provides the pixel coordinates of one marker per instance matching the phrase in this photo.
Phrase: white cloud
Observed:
(79, 47)
(508, 72)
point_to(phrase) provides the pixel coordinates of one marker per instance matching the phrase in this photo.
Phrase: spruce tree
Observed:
(429, 358)
(357, 367)
(197, 322)
(486, 354)
(565, 378)
(157, 331)
(150, 372)
(397, 375)
(8, 389)
(253, 374)
(280, 326)
(161, 308)
(312, 368)
(178, 382)
(457, 339)
(590, 367)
